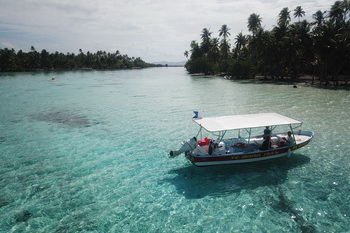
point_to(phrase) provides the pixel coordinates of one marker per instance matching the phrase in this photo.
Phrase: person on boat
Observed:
(290, 138)
(212, 147)
(286, 141)
(266, 145)
(267, 132)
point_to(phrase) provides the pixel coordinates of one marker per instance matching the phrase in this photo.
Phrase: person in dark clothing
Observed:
(267, 132)
(266, 144)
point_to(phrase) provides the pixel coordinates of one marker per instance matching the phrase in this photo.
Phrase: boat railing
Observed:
(240, 145)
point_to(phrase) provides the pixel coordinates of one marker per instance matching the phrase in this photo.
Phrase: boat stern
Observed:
(186, 146)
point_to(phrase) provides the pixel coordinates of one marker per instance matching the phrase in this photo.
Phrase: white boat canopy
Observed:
(223, 123)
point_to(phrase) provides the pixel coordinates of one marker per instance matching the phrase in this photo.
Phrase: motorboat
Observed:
(244, 138)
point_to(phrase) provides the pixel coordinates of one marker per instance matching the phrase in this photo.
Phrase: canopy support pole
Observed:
(200, 131)
(291, 128)
(250, 132)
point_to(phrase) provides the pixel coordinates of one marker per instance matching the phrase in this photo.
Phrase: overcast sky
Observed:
(155, 30)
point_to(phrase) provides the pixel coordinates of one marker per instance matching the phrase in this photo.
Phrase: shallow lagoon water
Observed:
(88, 153)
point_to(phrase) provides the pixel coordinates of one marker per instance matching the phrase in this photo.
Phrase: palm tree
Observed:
(318, 17)
(224, 45)
(186, 54)
(241, 41)
(214, 49)
(206, 35)
(224, 31)
(195, 50)
(254, 23)
(298, 48)
(225, 49)
(284, 17)
(336, 12)
(299, 12)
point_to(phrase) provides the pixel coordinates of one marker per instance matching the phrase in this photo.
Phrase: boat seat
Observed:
(201, 150)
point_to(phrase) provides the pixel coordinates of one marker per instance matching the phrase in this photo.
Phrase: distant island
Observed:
(320, 48)
(10, 60)
(171, 64)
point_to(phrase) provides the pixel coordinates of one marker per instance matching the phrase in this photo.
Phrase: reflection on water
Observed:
(194, 182)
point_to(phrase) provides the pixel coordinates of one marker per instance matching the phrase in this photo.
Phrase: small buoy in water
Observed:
(53, 79)
(295, 86)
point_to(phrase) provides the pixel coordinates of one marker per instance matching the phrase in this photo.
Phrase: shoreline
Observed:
(306, 80)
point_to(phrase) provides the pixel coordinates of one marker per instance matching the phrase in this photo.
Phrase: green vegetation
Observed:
(33, 60)
(320, 48)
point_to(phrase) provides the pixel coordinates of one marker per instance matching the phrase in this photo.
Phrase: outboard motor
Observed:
(186, 146)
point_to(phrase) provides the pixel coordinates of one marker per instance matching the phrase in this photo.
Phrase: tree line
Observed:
(10, 60)
(320, 48)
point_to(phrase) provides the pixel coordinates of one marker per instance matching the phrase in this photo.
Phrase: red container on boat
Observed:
(204, 142)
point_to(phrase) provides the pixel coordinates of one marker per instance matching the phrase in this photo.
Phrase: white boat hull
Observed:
(302, 139)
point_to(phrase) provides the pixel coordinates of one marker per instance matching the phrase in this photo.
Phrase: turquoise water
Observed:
(88, 153)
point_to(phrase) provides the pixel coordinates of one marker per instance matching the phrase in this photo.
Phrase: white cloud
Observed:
(154, 30)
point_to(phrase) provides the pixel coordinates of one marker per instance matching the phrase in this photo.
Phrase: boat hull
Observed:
(226, 159)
